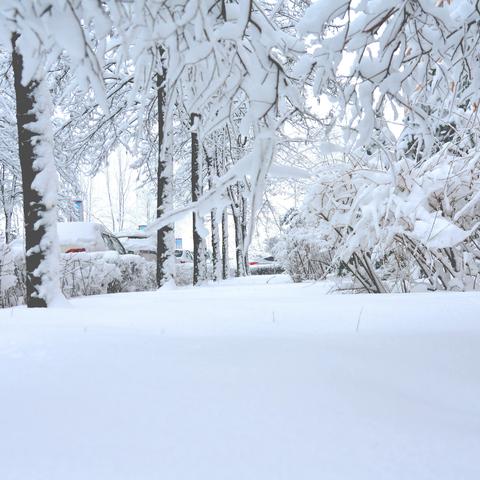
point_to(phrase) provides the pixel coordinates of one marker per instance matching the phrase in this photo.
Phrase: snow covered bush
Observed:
(105, 272)
(300, 249)
(86, 273)
(406, 226)
(80, 274)
(399, 210)
(12, 274)
(273, 269)
(183, 274)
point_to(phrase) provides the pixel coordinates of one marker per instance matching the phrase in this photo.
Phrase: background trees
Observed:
(106, 63)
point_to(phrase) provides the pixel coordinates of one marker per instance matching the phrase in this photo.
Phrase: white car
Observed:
(139, 243)
(264, 266)
(75, 237)
(183, 256)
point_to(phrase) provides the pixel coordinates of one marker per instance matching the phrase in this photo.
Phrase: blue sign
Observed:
(78, 210)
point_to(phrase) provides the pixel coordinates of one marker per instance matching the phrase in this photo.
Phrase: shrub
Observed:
(411, 227)
(85, 273)
(81, 274)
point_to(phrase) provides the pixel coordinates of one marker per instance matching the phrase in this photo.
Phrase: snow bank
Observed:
(242, 381)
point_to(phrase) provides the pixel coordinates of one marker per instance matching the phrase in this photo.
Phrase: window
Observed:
(117, 245)
(113, 243)
(108, 242)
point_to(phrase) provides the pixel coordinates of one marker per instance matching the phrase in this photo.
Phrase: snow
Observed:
(286, 171)
(79, 233)
(146, 244)
(435, 231)
(255, 378)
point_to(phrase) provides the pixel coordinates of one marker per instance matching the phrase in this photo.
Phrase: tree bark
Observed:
(8, 199)
(239, 250)
(109, 195)
(198, 250)
(220, 167)
(39, 184)
(238, 206)
(165, 241)
(215, 234)
(244, 234)
(225, 261)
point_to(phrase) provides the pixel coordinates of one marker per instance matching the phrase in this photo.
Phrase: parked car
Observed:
(140, 243)
(183, 256)
(75, 237)
(266, 265)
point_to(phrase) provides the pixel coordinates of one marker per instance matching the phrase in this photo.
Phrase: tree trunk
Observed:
(7, 202)
(243, 204)
(120, 192)
(220, 167)
(8, 225)
(216, 256)
(239, 212)
(109, 195)
(216, 260)
(239, 251)
(39, 183)
(225, 262)
(165, 240)
(198, 250)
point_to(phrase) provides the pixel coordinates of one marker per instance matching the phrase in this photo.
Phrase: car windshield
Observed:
(118, 246)
(178, 253)
(113, 243)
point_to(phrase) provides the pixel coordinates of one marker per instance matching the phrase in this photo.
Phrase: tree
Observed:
(35, 44)
(222, 59)
(212, 162)
(38, 182)
(10, 188)
(165, 240)
(228, 60)
(197, 181)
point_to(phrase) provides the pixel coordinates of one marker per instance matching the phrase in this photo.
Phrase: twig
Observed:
(358, 320)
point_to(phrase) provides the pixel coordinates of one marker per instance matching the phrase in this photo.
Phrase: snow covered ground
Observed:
(255, 379)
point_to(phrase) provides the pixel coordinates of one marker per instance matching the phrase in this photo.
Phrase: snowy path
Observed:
(247, 381)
